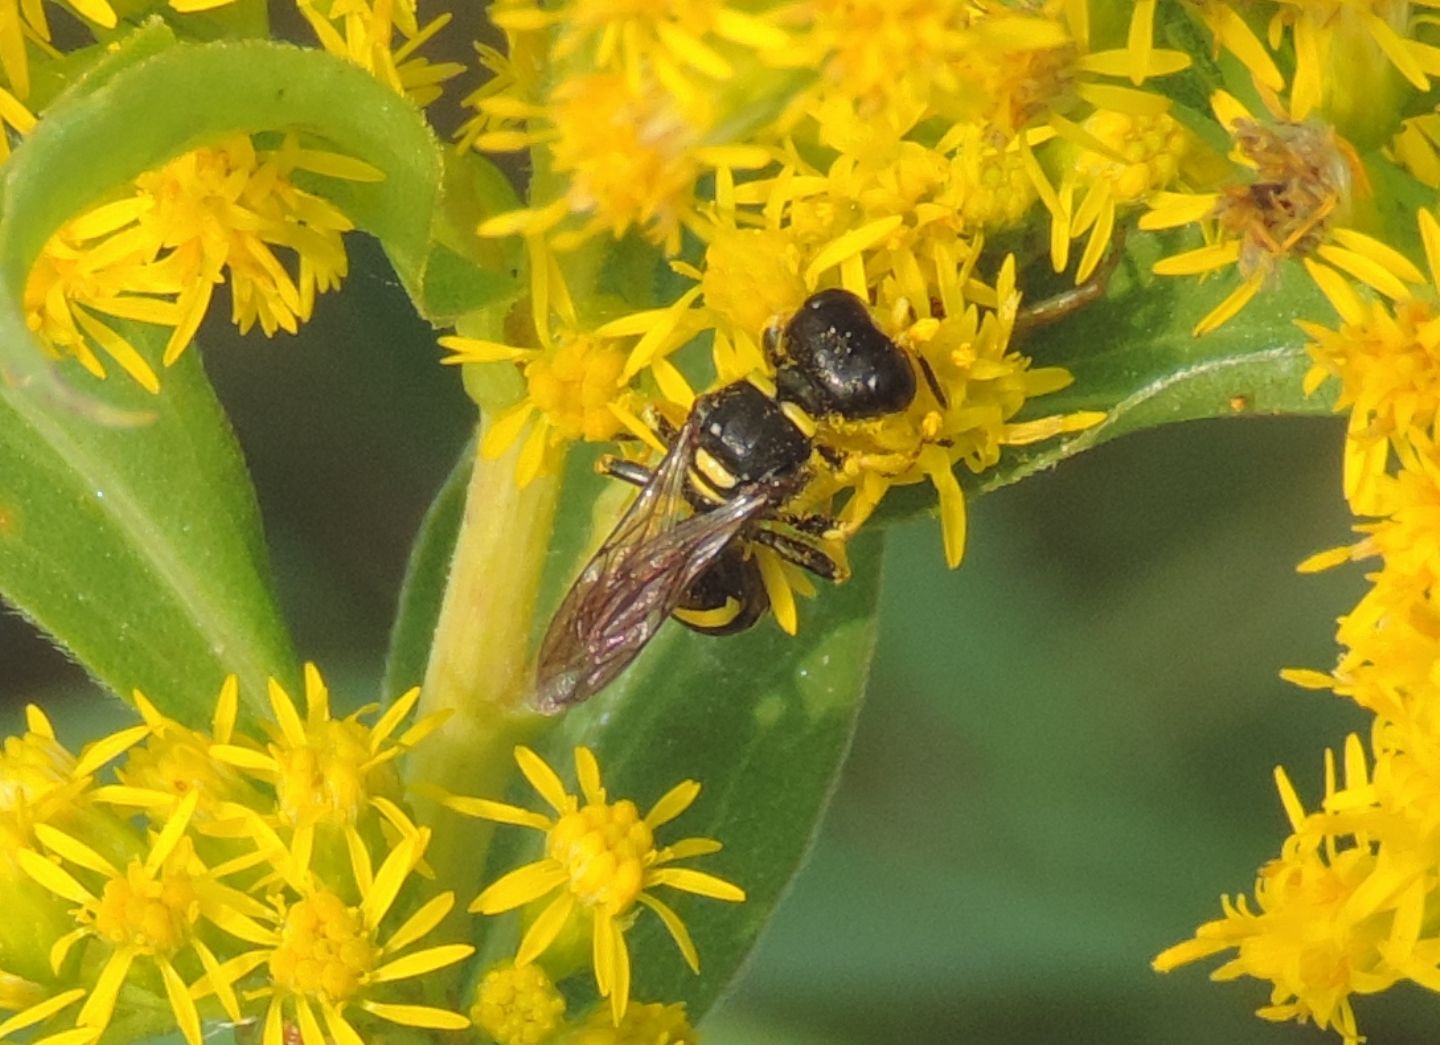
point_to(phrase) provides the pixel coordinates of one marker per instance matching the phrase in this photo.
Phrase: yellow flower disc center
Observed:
(605, 849)
(752, 276)
(988, 183)
(324, 779)
(518, 1006)
(630, 150)
(325, 949)
(574, 386)
(153, 915)
(1152, 145)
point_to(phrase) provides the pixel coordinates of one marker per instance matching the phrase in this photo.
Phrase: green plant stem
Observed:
(479, 669)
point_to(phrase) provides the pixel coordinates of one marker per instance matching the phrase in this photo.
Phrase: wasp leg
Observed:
(812, 525)
(1058, 306)
(934, 382)
(806, 556)
(631, 472)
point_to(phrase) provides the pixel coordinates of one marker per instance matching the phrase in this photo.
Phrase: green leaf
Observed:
(1134, 357)
(138, 546)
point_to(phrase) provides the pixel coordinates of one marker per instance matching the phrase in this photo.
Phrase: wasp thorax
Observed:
(832, 359)
(747, 436)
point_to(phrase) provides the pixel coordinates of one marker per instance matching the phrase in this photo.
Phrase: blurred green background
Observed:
(1067, 747)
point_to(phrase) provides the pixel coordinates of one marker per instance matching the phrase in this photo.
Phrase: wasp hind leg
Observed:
(807, 556)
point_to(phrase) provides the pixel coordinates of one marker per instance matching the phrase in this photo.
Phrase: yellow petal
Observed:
(544, 929)
(1202, 259)
(431, 914)
(855, 241)
(339, 1027)
(1231, 306)
(678, 932)
(500, 812)
(542, 778)
(227, 706)
(777, 588)
(1294, 809)
(100, 1005)
(103, 750)
(1337, 289)
(40, 1012)
(1430, 234)
(388, 880)
(501, 431)
(52, 876)
(417, 1015)
(187, 1017)
(172, 832)
(74, 850)
(1366, 269)
(286, 716)
(518, 887)
(673, 803)
(587, 772)
(698, 882)
(421, 962)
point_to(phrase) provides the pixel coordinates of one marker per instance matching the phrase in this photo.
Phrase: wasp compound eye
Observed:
(831, 359)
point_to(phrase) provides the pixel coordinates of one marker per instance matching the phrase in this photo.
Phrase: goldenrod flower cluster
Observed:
(226, 213)
(1348, 906)
(276, 873)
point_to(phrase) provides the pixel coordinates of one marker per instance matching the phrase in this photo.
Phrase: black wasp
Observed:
(682, 547)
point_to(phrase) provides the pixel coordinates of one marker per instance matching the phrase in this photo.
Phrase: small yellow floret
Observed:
(518, 1005)
(325, 949)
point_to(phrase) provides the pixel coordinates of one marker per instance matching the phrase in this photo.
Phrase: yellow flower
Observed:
(155, 256)
(984, 63)
(175, 761)
(688, 43)
(1120, 159)
(644, 1024)
(518, 1005)
(1386, 358)
(1289, 198)
(37, 1012)
(364, 31)
(150, 910)
(1329, 912)
(630, 154)
(324, 956)
(578, 380)
(1234, 34)
(326, 772)
(43, 785)
(23, 22)
(1338, 41)
(222, 211)
(84, 271)
(602, 859)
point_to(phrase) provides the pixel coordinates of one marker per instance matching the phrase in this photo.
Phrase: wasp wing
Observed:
(636, 580)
